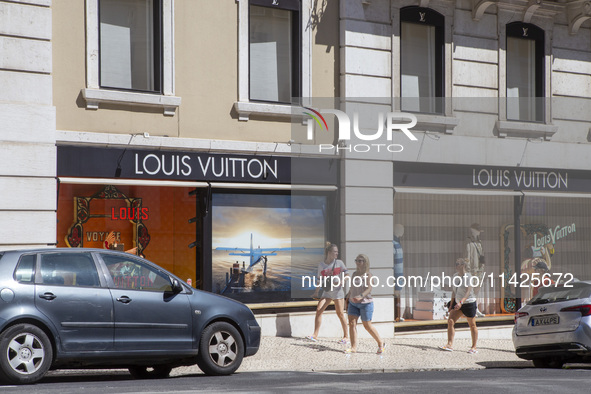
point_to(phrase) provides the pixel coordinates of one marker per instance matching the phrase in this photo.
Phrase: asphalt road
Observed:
(492, 380)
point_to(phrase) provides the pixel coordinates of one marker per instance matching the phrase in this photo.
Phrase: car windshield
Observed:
(561, 293)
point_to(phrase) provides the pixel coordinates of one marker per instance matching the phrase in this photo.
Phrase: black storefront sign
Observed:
(490, 177)
(75, 161)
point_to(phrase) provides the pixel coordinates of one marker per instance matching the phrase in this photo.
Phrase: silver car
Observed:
(554, 327)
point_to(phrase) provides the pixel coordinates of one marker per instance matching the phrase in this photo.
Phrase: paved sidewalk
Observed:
(295, 354)
(417, 351)
(403, 353)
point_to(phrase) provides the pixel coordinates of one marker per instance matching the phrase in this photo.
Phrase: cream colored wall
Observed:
(69, 77)
(206, 69)
(207, 73)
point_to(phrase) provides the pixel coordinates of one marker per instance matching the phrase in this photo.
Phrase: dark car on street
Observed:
(91, 308)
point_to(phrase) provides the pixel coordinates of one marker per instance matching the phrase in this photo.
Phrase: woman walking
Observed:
(361, 304)
(329, 268)
(463, 303)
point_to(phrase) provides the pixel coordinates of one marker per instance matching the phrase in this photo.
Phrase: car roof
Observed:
(19, 252)
(61, 249)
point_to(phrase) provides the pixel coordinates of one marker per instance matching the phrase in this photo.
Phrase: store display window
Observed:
(555, 233)
(143, 220)
(262, 244)
(439, 228)
(442, 226)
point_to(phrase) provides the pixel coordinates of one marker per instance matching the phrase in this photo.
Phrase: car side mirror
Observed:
(176, 286)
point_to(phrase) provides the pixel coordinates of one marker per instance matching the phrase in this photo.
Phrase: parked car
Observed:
(555, 326)
(76, 308)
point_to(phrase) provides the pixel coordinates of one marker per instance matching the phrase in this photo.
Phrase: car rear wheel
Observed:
(547, 363)
(25, 354)
(156, 372)
(221, 349)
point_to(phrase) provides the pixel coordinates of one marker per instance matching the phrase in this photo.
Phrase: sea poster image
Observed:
(262, 244)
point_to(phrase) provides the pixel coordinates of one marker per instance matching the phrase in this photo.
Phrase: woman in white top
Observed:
(463, 303)
(331, 267)
(361, 304)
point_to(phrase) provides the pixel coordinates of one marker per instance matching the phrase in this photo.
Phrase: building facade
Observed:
(500, 94)
(174, 129)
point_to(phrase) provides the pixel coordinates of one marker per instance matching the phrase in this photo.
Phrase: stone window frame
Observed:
(543, 130)
(444, 122)
(244, 106)
(94, 95)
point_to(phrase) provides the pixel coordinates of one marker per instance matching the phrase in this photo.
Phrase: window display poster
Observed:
(151, 221)
(261, 244)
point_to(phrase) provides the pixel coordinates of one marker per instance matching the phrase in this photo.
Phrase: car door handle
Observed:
(124, 299)
(47, 296)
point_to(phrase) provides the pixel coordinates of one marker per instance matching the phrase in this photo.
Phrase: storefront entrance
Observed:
(229, 224)
(450, 211)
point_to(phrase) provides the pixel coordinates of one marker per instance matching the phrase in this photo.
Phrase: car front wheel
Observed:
(25, 354)
(221, 349)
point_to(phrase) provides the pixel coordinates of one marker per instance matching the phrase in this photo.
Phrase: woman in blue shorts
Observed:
(361, 304)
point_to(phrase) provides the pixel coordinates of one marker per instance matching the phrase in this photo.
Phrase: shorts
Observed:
(468, 309)
(363, 310)
(337, 294)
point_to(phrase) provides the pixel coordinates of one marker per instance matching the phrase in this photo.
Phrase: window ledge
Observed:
(95, 97)
(525, 129)
(245, 109)
(440, 123)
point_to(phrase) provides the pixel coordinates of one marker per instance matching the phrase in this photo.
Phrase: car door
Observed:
(68, 291)
(148, 316)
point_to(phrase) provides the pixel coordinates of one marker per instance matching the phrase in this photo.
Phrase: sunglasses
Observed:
(360, 260)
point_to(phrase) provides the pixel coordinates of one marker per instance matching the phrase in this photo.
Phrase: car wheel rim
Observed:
(222, 348)
(25, 354)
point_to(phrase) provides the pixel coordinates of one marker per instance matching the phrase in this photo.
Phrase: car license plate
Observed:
(544, 320)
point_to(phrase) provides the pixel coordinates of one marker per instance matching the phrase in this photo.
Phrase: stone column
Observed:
(27, 126)
(366, 176)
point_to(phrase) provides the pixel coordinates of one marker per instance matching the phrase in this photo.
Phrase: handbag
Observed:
(481, 260)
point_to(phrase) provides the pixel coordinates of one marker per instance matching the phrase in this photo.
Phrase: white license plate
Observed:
(544, 320)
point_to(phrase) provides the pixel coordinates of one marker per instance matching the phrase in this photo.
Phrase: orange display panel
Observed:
(146, 220)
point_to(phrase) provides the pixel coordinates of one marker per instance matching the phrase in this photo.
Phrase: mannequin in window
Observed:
(398, 268)
(475, 256)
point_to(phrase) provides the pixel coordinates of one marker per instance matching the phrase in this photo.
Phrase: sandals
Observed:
(448, 349)
(344, 341)
(311, 338)
(381, 348)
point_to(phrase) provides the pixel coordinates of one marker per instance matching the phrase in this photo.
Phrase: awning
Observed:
(473, 192)
(220, 185)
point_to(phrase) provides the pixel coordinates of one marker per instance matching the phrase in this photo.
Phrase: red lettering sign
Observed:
(124, 213)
